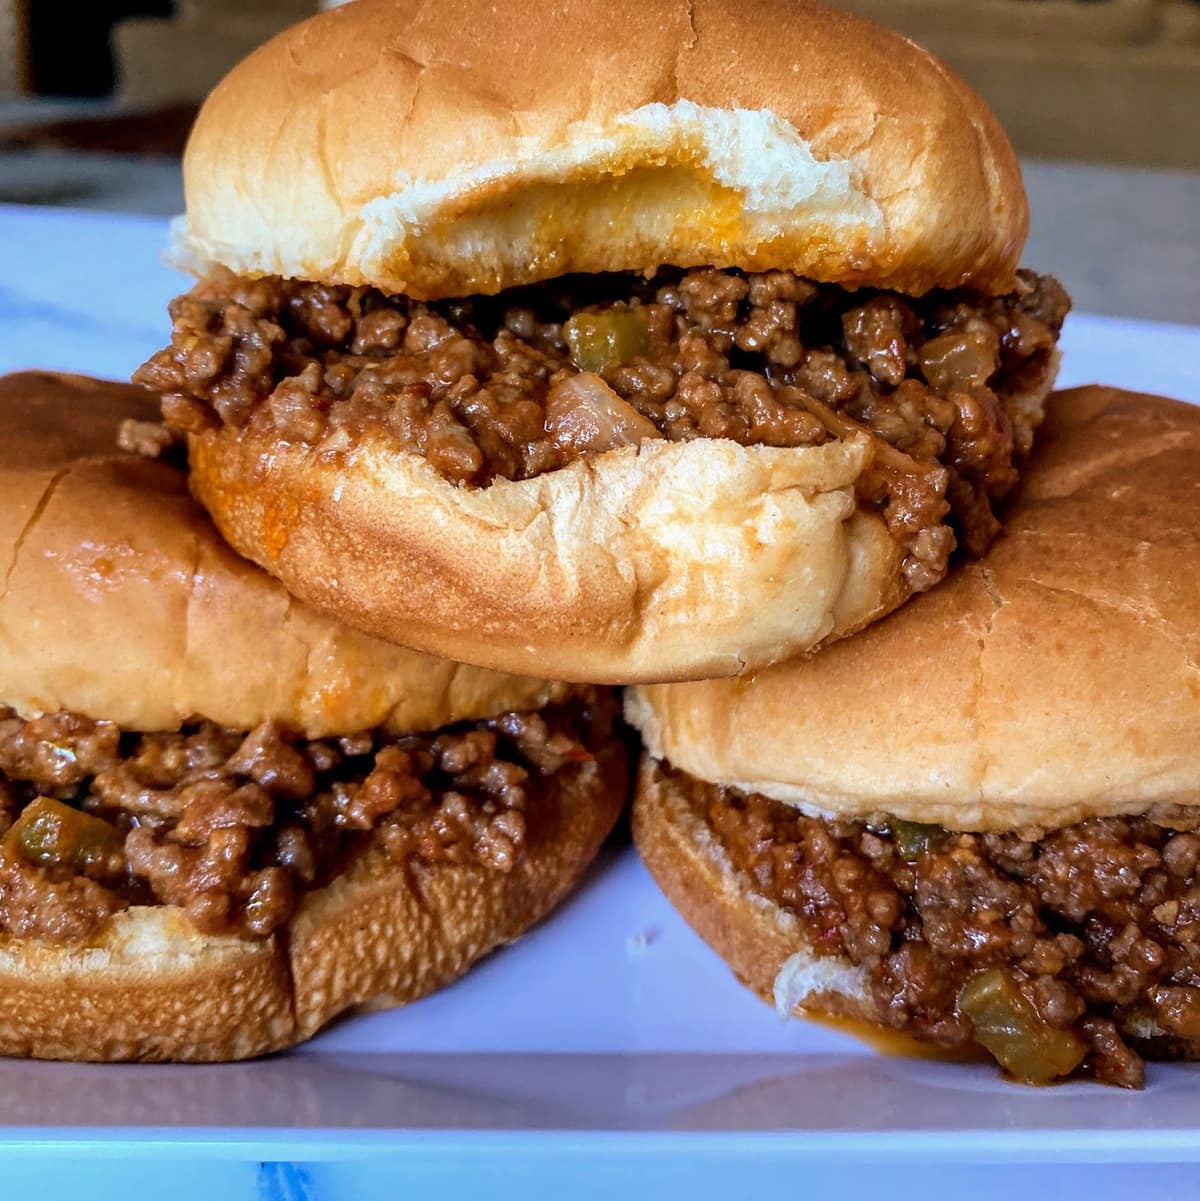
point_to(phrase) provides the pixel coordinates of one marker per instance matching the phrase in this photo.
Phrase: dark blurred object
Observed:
(16, 70)
(69, 43)
(161, 131)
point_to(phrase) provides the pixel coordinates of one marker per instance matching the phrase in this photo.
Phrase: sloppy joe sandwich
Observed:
(619, 342)
(977, 822)
(224, 817)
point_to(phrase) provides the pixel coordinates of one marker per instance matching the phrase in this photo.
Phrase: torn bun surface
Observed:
(477, 147)
(669, 561)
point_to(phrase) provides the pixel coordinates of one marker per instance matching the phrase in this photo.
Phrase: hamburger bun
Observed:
(673, 560)
(120, 602)
(1052, 681)
(472, 149)
(765, 944)
(754, 936)
(151, 987)
(476, 147)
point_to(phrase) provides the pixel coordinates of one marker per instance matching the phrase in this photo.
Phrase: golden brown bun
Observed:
(665, 562)
(749, 931)
(152, 988)
(1056, 680)
(119, 600)
(757, 938)
(465, 147)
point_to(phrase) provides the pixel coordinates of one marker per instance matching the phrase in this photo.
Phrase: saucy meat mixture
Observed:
(235, 827)
(950, 385)
(1038, 946)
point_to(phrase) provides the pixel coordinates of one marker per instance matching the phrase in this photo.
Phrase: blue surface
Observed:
(601, 1178)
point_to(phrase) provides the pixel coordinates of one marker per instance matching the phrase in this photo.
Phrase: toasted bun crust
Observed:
(1056, 680)
(152, 988)
(748, 930)
(757, 938)
(119, 600)
(665, 562)
(461, 147)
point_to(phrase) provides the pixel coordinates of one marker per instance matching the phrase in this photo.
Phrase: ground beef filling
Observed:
(235, 827)
(951, 384)
(1038, 947)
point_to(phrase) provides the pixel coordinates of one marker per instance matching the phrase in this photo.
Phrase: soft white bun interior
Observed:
(463, 148)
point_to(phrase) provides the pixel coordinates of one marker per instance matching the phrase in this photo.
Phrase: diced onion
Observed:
(845, 428)
(584, 415)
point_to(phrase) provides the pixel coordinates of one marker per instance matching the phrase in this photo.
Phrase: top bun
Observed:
(1054, 681)
(118, 599)
(465, 147)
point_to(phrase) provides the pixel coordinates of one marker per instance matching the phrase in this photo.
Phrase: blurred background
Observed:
(1100, 97)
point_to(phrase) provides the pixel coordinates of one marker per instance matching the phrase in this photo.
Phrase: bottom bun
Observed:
(150, 987)
(765, 944)
(750, 932)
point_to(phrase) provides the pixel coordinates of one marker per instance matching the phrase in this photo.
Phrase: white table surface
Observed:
(610, 1045)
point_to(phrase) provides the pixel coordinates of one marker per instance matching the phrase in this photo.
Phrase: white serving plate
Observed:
(611, 1027)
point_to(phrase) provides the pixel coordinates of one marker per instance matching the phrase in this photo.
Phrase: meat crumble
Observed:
(1040, 946)
(950, 385)
(235, 826)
